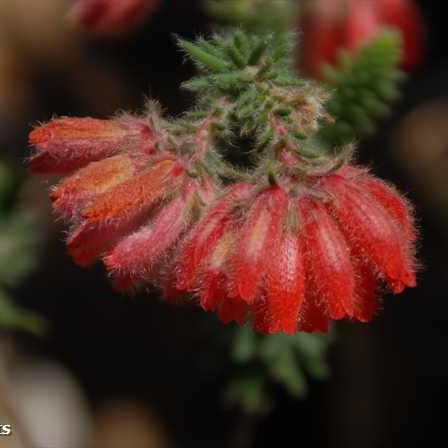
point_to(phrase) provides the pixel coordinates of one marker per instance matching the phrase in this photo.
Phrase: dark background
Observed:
(389, 379)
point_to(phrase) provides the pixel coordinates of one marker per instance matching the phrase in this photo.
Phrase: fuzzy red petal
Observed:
(258, 235)
(393, 202)
(73, 194)
(313, 316)
(212, 290)
(372, 232)
(366, 300)
(233, 310)
(137, 253)
(204, 236)
(329, 269)
(285, 285)
(119, 211)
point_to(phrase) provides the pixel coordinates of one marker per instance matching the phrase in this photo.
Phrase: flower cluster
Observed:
(128, 199)
(332, 25)
(290, 255)
(292, 261)
(286, 235)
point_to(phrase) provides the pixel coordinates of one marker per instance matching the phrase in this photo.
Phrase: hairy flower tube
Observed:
(111, 16)
(240, 203)
(329, 26)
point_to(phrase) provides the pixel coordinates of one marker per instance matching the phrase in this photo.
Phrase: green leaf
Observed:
(258, 51)
(203, 58)
(236, 56)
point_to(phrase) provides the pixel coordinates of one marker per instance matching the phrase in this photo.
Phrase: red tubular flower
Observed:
(293, 263)
(331, 25)
(66, 144)
(111, 16)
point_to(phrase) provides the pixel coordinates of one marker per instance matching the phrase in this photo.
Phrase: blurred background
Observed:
(112, 371)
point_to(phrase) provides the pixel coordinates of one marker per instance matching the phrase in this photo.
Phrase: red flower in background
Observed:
(328, 26)
(292, 263)
(111, 16)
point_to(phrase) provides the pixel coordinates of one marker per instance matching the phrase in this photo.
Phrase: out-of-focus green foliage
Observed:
(17, 247)
(263, 361)
(254, 15)
(13, 317)
(363, 86)
(18, 240)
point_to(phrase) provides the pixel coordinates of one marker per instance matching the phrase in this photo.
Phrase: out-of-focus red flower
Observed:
(127, 201)
(328, 26)
(293, 263)
(111, 16)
